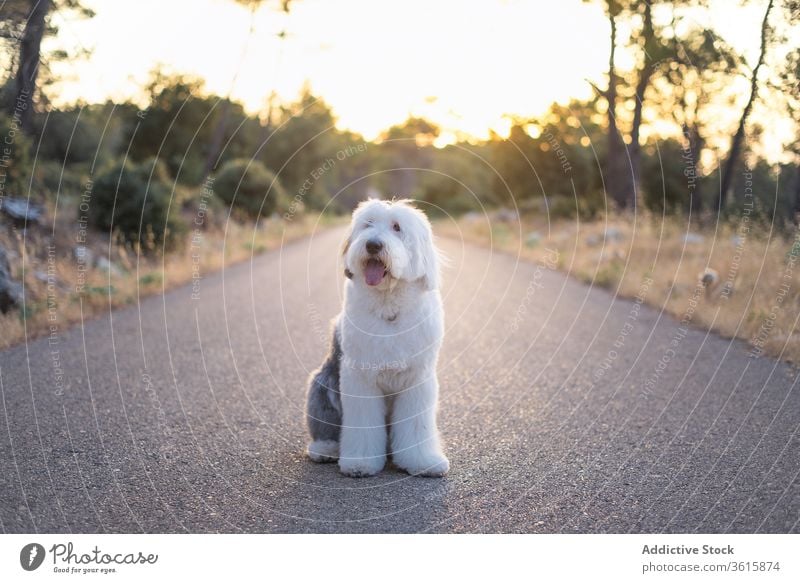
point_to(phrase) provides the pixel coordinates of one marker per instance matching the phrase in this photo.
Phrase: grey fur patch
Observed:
(324, 404)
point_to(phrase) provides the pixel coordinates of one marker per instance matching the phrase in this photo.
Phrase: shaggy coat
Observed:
(381, 369)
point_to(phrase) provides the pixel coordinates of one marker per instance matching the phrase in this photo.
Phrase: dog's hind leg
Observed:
(324, 408)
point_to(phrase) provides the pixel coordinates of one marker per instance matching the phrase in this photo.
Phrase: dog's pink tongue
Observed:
(373, 272)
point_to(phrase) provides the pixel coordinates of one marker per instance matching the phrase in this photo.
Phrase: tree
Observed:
(29, 55)
(178, 124)
(790, 83)
(787, 88)
(738, 138)
(650, 57)
(699, 67)
(12, 27)
(648, 38)
(305, 139)
(213, 157)
(28, 67)
(248, 186)
(404, 154)
(617, 179)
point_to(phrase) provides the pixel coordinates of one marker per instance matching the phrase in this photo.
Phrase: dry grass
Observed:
(755, 295)
(58, 293)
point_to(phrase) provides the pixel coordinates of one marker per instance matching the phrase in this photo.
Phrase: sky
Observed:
(463, 64)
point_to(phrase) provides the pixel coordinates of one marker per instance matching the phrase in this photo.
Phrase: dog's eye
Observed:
(396, 227)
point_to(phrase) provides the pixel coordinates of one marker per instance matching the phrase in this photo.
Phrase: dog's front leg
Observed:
(362, 450)
(415, 438)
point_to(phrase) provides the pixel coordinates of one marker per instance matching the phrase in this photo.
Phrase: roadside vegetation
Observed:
(104, 203)
(740, 279)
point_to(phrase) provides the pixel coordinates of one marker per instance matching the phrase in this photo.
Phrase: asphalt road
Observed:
(562, 410)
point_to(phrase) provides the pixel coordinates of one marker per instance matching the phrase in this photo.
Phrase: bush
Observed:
(588, 206)
(69, 138)
(562, 207)
(16, 166)
(248, 186)
(133, 200)
(55, 178)
(592, 205)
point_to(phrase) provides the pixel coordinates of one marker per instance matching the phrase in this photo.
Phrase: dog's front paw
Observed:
(323, 451)
(361, 467)
(434, 465)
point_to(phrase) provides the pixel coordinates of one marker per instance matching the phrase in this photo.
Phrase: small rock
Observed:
(22, 210)
(105, 265)
(614, 234)
(10, 291)
(693, 239)
(593, 240)
(83, 255)
(505, 215)
(533, 239)
(709, 278)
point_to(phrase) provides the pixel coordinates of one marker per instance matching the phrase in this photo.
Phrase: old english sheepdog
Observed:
(381, 369)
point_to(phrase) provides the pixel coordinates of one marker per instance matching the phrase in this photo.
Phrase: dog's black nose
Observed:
(374, 247)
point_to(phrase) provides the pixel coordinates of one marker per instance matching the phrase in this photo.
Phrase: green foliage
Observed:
(133, 201)
(609, 275)
(173, 126)
(562, 160)
(562, 207)
(55, 178)
(405, 164)
(592, 205)
(179, 124)
(70, 136)
(664, 180)
(767, 203)
(456, 182)
(248, 186)
(16, 161)
(550, 163)
(152, 278)
(312, 158)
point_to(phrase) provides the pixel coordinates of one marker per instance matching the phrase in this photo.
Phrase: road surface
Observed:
(562, 409)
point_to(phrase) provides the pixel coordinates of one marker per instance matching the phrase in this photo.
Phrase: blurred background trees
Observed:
(650, 138)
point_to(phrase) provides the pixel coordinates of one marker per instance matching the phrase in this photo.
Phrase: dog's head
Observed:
(390, 241)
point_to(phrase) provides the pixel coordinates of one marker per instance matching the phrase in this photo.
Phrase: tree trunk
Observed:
(632, 185)
(615, 162)
(738, 137)
(695, 143)
(797, 196)
(29, 52)
(215, 147)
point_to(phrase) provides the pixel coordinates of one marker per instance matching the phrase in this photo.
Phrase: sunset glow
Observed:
(464, 65)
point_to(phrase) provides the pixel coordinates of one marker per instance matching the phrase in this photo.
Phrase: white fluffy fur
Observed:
(391, 334)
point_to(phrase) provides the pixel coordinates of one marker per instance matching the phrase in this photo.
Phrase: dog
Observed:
(381, 369)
